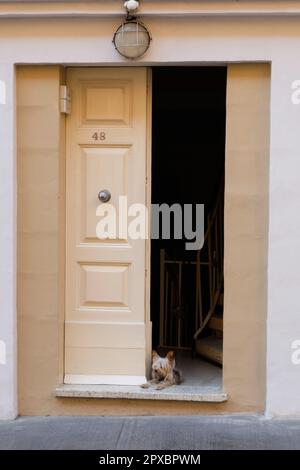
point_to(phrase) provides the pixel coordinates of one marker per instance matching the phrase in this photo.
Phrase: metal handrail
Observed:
(213, 246)
(215, 285)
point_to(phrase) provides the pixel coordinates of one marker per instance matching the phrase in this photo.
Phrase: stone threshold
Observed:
(133, 392)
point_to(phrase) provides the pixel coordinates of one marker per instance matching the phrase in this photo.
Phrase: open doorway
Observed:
(188, 156)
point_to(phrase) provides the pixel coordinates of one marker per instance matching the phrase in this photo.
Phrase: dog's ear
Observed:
(154, 355)
(171, 356)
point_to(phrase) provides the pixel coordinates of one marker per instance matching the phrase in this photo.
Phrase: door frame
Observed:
(250, 365)
(148, 241)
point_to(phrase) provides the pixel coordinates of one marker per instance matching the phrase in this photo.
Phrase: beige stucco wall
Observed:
(41, 246)
(246, 233)
(40, 221)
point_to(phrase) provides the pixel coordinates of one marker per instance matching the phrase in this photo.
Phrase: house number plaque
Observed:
(99, 136)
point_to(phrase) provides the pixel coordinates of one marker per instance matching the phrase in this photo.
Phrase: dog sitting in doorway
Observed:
(164, 372)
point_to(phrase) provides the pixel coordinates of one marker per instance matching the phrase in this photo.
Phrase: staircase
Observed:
(205, 307)
(208, 338)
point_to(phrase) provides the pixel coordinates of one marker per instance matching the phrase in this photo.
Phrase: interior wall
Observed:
(41, 249)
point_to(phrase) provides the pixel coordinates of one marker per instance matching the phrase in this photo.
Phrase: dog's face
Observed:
(162, 366)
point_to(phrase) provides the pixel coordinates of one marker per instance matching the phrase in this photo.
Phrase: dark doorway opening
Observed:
(188, 157)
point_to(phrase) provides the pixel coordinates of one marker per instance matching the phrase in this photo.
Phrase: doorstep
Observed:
(133, 392)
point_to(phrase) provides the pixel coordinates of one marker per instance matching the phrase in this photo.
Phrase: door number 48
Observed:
(99, 136)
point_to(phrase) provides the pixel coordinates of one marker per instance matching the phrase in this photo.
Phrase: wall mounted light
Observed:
(131, 5)
(132, 38)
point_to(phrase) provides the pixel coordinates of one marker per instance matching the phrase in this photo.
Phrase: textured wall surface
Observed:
(185, 41)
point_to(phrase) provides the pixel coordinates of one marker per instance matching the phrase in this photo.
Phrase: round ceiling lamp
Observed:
(132, 38)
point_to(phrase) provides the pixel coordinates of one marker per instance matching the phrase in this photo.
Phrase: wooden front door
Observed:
(105, 337)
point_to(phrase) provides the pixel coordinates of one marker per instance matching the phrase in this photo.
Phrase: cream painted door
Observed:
(105, 337)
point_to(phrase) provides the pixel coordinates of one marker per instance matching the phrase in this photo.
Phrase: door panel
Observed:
(105, 278)
(101, 168)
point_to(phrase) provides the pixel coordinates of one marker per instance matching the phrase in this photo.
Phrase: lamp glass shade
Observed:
(132, 39)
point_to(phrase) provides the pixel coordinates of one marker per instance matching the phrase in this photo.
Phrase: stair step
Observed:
(211, 348)
(216, 322)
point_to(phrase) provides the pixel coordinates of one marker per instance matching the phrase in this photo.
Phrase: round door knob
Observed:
(104, 195)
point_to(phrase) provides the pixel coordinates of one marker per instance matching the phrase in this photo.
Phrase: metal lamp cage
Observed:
(132, 39)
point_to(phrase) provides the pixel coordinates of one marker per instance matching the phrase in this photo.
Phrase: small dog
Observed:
(164, 372)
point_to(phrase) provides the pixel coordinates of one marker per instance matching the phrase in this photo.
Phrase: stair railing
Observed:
(214, 239)
(170, 290)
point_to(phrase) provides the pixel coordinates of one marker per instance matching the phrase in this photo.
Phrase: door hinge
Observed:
(64, 99)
